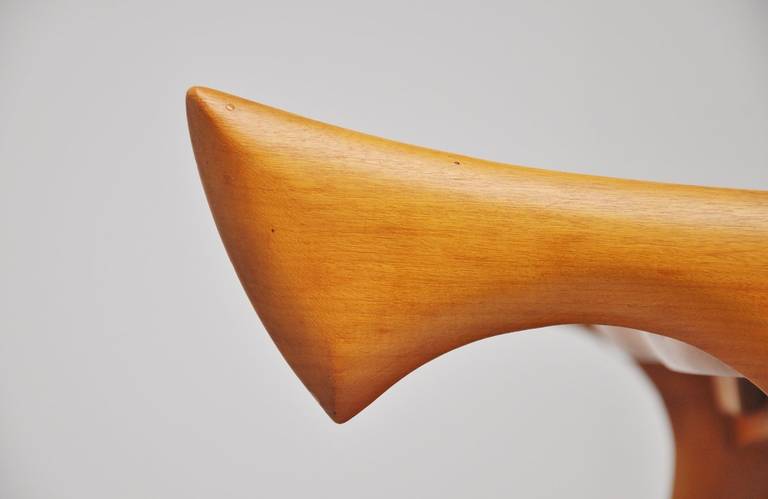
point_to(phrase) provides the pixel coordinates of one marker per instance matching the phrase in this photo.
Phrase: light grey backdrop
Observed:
(132, 365)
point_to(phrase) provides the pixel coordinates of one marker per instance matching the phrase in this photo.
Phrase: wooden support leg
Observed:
(712, 462)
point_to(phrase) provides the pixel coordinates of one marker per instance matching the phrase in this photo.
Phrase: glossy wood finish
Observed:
(366, 258)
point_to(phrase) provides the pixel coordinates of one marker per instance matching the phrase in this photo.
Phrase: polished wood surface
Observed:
(366, 258)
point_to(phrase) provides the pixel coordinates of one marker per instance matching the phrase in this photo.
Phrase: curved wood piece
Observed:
(711, 462)
(366, 258)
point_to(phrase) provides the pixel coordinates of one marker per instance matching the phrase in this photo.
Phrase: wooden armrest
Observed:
(366, 258)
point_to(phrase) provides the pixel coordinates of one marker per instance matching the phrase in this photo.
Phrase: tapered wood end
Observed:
(286, 239)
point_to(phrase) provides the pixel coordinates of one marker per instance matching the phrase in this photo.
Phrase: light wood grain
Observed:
(366, 258)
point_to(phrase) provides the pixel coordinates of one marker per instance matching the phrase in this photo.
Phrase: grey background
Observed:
(132, 365)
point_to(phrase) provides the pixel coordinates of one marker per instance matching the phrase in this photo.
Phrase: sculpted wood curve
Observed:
(366, 258)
